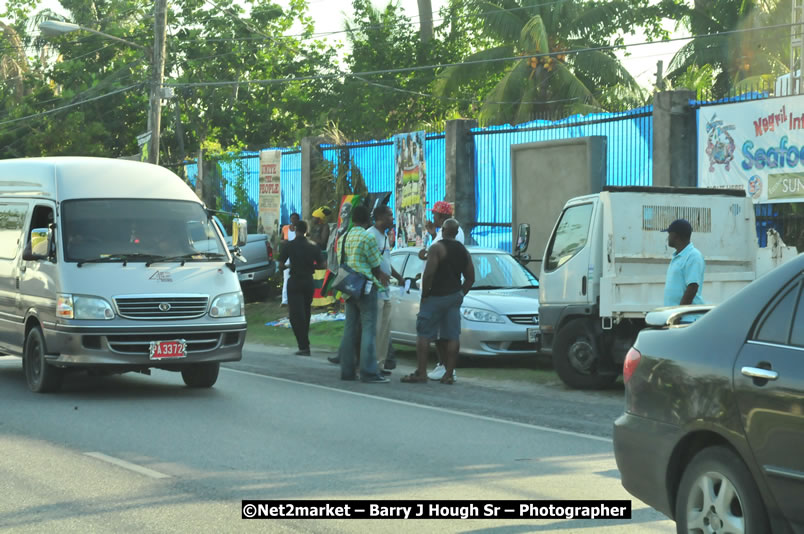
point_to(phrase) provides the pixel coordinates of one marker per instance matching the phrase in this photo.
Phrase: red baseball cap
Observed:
(442, 207)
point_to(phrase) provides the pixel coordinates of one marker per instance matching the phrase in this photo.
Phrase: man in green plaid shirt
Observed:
(360, 252)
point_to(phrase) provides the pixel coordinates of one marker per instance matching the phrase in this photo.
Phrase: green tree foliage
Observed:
(740, 60)
(560, 81)
(379, 105)
(218, 40)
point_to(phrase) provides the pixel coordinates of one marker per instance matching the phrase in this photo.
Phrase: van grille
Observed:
(156, 308)
(529, 319)
(140, 343)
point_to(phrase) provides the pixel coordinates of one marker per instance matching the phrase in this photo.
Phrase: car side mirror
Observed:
(523, 239)
(239, 232)
(39, 245)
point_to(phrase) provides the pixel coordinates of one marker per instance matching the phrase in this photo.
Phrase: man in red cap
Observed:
(442, 211)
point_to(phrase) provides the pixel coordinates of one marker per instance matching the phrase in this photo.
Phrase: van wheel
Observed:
(718, 494)
(576, 357)
(40, 375)
(201, 375)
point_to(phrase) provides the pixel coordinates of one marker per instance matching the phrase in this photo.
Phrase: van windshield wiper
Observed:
(184, 257)
(116, 257)
(488, 287)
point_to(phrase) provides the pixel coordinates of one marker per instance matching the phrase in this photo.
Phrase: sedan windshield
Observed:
(138, 230)
(501, 271)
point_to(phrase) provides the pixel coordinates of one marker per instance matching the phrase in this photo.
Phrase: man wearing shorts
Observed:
(442, 295)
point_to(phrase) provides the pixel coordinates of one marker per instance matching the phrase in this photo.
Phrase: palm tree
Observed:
(740, 60)
(540, 84)
(13, 64)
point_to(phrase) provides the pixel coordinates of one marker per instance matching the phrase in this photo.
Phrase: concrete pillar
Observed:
(460, 171)
(674, 140)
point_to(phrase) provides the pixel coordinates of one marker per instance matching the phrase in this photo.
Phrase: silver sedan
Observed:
(499, 316)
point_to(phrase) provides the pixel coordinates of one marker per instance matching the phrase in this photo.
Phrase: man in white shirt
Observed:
(441, 212)
(384, 221)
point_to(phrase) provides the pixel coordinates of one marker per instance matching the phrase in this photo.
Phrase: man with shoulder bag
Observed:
(359, 252)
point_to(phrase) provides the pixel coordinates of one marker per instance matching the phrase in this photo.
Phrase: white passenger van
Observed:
(113, 266)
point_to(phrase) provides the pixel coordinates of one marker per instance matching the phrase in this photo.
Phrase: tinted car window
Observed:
(413, 267)
(797, 336)
(775, 326)
(398, 261)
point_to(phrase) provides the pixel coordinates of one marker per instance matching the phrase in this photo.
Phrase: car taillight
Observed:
(630, 364)
(269, 250)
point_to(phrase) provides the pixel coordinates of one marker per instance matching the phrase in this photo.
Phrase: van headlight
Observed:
(228, 305)
(481, 316)
(83, 307)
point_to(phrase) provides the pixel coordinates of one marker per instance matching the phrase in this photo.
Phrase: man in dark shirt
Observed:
(304, 256)
(442, 295)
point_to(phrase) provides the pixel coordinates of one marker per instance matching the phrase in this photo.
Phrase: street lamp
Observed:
(54, 27)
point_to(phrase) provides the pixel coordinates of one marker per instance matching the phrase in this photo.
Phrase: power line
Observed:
(67, 106)
(468, 63)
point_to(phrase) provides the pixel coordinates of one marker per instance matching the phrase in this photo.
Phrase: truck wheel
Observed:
(40, 375)
(576, 357)
(201, 375)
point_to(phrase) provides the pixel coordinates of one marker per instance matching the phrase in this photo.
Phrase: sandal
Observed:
(447, 379)
(414, 378)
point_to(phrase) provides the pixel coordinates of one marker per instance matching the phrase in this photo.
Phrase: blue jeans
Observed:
(360, 311)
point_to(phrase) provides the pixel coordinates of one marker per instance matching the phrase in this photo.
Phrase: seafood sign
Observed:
(757, 146)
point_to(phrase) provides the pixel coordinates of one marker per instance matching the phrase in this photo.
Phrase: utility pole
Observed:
(659, 75)
(157, 77)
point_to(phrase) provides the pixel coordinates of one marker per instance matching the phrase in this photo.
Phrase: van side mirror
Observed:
(239, 232)
(39, 245)
(524, 238)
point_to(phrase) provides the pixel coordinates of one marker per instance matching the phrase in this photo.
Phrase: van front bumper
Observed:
(69, 346)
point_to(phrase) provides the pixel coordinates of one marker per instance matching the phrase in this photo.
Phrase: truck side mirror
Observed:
(239, 232)
(39, 246)
(524, 238)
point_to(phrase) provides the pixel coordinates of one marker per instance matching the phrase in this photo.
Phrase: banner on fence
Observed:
(757, 146)
(411, 188)
(270, 203)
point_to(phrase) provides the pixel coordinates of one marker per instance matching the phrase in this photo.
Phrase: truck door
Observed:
(565, 268)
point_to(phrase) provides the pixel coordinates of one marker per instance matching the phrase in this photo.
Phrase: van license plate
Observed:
(166, 350)
(533, 335)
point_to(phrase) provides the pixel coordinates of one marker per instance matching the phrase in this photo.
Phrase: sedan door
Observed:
(769, 385)
(406, 303)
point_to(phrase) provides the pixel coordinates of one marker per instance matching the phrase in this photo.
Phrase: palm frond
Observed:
(500, 101)
(603, 70)
(533, 37)
(566, 85)
(499, 22)
(452, 78)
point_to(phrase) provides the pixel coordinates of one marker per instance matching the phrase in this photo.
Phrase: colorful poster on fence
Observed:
(270, 200)
(411, 189)
(757, 146)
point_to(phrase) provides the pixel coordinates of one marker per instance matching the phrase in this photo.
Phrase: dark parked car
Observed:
(713, 429)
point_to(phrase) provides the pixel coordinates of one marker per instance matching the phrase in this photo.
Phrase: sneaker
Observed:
(385, 372)
(439, 371)
(389, 364)
(376, 380)
(304, 352)
(334, 359)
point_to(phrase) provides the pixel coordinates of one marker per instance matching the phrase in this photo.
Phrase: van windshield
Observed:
(138, 230)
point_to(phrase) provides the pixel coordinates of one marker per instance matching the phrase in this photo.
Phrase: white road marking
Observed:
(424, 406)
(127, 465)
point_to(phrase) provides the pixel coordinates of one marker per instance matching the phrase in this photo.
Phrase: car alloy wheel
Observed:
(718, 495)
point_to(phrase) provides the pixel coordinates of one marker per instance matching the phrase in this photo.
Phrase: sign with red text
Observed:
(757, 146)
(270, 204)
